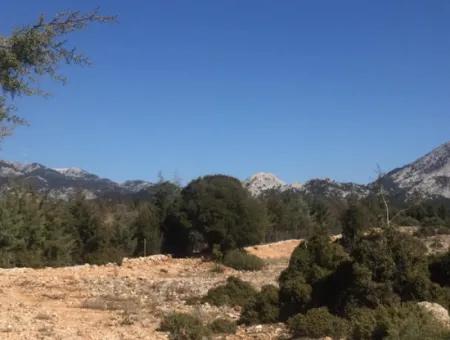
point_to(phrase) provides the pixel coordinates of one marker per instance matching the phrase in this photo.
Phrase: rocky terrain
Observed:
(428, 176)
(126, 301)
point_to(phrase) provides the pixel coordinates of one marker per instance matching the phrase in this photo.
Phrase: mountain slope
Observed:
(63, 182)
(428, 176)
(263, 181)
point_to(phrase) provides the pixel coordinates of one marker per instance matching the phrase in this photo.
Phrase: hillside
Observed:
(428, 176)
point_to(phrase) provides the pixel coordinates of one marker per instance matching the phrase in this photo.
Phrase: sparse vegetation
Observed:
(234, 293)
(240, 260)
(223, 326)
(183, 326)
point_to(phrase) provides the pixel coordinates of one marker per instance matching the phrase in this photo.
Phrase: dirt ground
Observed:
(129, 301)
(123, 302)
(277, 250)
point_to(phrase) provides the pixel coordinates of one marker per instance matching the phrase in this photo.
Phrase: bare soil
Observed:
(126, 301)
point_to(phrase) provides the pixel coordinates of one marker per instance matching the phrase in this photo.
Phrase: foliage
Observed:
(317, 323)
(405, 321)
(147, 231)
(34, 51)
(354, 224)
(234, 293)
(217, 210)
(288, 214)
(183, 326)
(387, 267)
(263, 307)
(240, 260)
(223, 326)
(32, 233)
(440, 269)
(311, 262)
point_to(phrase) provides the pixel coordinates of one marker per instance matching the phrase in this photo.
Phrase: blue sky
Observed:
(302, 89)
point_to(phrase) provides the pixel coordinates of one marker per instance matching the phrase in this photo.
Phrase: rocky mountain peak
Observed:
(73, 172)
(263, 181)
(427, 176)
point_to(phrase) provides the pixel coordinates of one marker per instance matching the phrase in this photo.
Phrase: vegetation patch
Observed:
(223, 326)
(405, 321)
(263, 307)
(318, 323)
(241, 260)
(234, 293)
(183, 326)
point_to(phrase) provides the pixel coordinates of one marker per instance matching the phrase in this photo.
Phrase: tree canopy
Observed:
(34, 51)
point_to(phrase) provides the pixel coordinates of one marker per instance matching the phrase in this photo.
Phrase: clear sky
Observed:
(303, 89)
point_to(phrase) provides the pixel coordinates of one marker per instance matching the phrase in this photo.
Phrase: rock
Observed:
(437, 311)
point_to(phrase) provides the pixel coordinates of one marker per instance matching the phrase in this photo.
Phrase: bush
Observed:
(234, 293)
(217, 268)
(310, 263)
(440, 269)
(223, 326)
(406, 321)
(263, 308)
(241, 260)
(184, 326)
(317, 323)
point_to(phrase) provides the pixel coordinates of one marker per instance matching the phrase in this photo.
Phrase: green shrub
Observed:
(223, 326)
(216, 253)
(317, 323)
(310, 263)
(240, 260)
(217, 268)
(234, 293)
(440, 269)
(406, 321)
(182, 326)
(263, 308)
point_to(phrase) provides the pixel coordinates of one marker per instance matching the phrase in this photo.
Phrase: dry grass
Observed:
(128, 304)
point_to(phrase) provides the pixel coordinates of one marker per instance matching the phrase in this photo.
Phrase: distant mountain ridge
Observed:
(63, 182)
(261, 182)
(427, 177)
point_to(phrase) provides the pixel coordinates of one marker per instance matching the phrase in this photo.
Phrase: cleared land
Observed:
(123, 302)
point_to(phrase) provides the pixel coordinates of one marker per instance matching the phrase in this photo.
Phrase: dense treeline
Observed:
(212, 212)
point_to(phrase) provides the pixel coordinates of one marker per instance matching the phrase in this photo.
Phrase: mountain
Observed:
(263, 181)
(331, 189)
(428, 176)
(63, 182)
